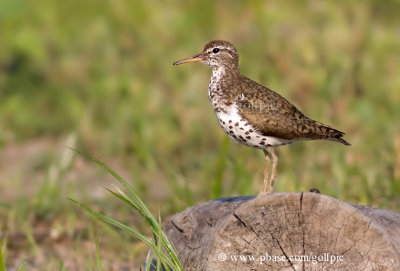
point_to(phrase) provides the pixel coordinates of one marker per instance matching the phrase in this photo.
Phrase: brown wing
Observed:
(273, 115)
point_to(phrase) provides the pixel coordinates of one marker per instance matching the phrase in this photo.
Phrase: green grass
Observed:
(3, 250)
(161, 247)
(3, 245)
(102, 71)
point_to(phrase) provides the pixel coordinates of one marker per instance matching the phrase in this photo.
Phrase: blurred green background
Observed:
(98, 75)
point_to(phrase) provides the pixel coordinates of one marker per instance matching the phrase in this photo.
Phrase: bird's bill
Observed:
(195, 58)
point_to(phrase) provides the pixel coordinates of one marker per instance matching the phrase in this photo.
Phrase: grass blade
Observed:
(99, 266)
(167, 258)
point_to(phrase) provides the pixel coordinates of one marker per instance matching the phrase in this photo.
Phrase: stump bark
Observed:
(285, 231)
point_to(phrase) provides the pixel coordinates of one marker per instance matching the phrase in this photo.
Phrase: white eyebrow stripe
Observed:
(220, 47)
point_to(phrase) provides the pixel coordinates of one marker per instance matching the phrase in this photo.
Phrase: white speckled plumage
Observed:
(252, 114)
(234, 125)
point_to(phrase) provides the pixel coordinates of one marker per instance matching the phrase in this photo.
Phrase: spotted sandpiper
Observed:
(252, 114)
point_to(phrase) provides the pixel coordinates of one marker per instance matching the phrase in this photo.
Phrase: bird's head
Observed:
(215, 54)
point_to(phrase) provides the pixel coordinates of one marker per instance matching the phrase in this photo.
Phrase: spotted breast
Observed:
(252, 114)
(234, 125)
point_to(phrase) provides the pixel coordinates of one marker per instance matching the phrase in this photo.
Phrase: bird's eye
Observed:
(215, 50)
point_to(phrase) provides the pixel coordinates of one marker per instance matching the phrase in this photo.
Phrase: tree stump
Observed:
(285, 231)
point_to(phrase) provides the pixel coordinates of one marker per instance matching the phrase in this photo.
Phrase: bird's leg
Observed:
(266, 172)
(274, 165)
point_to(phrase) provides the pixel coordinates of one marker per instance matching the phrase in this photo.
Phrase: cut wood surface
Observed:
(285, 231)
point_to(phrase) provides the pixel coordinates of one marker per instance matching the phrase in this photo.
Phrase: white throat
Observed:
(217, 74)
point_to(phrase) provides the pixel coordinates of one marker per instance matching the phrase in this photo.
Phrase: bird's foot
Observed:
(264, 193)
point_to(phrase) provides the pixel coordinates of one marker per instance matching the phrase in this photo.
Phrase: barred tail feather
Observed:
(332, 134)
(340, 140)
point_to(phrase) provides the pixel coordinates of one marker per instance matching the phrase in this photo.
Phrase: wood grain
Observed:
(284, 226)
